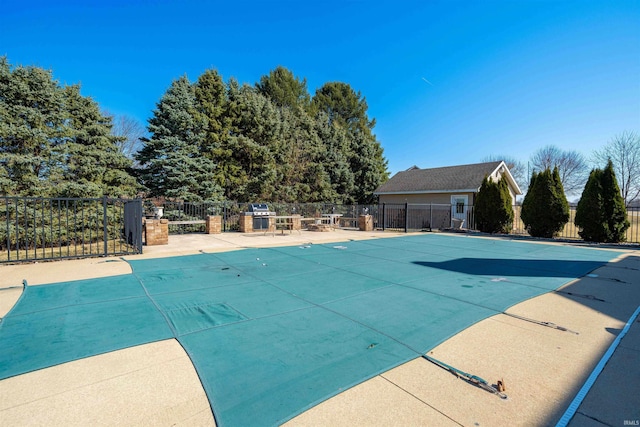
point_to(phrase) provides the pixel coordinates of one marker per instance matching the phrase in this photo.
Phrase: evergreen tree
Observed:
(545, 210)
(171, 160)
(31, 131)
(559, 204)
(55, 142)
(211, 107)
(264, 142)
(614, 208)
(493, 210)
(301, 173)
(590, 210)
(255, 133)
(336, 162)
(601, 214)
(95, 164)
(346, 108)
(284, 89)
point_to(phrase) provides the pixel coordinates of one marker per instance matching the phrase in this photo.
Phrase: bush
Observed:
(601, 214)
(545, 209)
(493, 210)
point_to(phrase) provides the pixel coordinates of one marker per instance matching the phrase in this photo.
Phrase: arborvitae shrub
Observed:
(545, 209)
(601, 214)
(493, 210)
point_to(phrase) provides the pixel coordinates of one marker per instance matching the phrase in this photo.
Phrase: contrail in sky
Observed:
(427, 81)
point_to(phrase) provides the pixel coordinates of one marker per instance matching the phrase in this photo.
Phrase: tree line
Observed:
(574, 168)
(214, 140)
(207, 140)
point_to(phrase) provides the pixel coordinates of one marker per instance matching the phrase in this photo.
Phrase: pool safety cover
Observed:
(274, 331)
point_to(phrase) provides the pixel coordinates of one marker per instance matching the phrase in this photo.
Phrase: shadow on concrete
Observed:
(616, 286)
(612, 289)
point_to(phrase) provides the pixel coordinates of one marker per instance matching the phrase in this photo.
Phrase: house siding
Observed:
(434, 198)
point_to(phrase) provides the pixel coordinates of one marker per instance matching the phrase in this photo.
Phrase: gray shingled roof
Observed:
(450, 178)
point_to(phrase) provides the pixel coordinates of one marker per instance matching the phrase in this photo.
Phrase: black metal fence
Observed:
(413, 217)
(180, 212)
(42, 229)
(386, 216)
(53, 228)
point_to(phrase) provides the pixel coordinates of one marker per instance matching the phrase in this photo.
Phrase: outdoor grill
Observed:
(260, 213)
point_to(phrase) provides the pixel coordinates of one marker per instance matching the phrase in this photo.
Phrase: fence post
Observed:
(384, 222)
(104, 218)
(406, 217)
(430, 216)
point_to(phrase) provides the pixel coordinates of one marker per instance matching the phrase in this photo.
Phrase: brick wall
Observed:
(365, 223)
(213, 224)
(246, 223)
(156, 232)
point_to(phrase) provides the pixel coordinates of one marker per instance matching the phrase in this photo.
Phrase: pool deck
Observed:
(542, 368)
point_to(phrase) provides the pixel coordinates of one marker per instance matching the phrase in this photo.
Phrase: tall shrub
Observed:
(493, 210)
(601, 214)
(545, 209)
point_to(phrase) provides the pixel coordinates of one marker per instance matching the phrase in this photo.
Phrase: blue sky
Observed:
(502, 77)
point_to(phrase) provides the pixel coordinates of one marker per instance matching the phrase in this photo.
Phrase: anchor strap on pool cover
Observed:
(272, 332)
(474, 379)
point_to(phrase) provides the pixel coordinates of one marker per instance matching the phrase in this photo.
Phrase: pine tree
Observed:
(55, 142)
(95, 166)
(255, 132)
(545, 209)
(346, 108)
(336, 162)
(211, 106)
(493, 210)
(31, 131)
(284, 89)
(172, 162)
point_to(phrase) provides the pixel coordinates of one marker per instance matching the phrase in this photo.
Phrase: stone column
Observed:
(156, 232)
(246, 223)
(296, 223)
(213, 224)
(365, 223)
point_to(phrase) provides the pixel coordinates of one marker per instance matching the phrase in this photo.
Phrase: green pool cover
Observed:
(272, 332)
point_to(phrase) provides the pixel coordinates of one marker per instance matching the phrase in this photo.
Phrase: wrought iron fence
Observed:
(397, 217)
(186, 217)
(54, 228)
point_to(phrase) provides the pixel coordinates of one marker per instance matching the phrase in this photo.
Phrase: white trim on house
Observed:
(510, 178)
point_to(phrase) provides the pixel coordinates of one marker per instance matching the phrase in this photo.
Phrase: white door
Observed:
(458, 210)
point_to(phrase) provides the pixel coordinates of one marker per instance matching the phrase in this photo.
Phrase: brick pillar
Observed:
(213, 224)
(156, 232)
(272, 224)
(297, 224)
(365, 223)
(246, 223)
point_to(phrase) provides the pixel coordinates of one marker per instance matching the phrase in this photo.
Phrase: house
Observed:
(454, 186)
